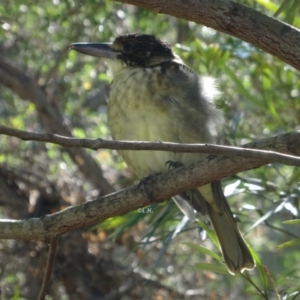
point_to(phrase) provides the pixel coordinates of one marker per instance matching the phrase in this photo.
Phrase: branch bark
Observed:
(160, 188)
(262, 31)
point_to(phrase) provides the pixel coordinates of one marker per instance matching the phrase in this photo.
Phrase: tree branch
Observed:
(267, 33)
(95, 144)
(160, 188)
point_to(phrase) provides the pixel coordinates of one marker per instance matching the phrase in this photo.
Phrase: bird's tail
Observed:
(210, 200)
(234, 248)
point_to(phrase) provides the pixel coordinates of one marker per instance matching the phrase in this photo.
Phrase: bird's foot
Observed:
(141, 186)
(173, 164)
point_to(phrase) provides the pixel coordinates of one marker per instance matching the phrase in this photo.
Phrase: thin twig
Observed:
(281, 230)
(96, 144)
(48, 270)
(272, 282)
(247, 277)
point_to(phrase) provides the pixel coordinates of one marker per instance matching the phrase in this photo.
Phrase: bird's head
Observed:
(131, 50)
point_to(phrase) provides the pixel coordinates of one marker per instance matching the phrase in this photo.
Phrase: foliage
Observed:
(260, 98)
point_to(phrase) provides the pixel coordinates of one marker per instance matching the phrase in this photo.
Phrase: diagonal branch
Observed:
(231, 17)
(160, 188)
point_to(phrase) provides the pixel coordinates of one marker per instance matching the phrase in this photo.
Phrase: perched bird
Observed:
(155, 96)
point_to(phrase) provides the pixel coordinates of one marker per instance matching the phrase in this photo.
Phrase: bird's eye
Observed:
(127, 47)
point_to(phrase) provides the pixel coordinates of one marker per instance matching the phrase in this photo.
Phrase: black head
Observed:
(136, 50)
(142, 50)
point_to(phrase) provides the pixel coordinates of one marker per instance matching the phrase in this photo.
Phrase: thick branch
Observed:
(96, 144)
(267, 33)
(160, 188)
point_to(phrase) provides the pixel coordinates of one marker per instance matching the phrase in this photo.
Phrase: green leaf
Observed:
(292, 222)
(291, 243)
(221, 269)
(203, 250)
(240, 88)
(210, 232)
(282, 7)
(270, 5)
(263, 274)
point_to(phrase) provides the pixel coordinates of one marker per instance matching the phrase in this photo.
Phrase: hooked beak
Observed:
(101, 50)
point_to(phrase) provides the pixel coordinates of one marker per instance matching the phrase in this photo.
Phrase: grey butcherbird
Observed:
(155, 96)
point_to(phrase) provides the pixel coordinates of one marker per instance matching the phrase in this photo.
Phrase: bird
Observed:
(154, 96)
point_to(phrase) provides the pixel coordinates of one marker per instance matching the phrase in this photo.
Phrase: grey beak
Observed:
(101, 50)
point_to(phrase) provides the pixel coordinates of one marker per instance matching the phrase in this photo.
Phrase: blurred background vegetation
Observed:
(152, 253)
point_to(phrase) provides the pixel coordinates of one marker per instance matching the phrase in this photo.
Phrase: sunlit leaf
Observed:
(221, 269)
(292, 222)
(203, 250)
(291, 243)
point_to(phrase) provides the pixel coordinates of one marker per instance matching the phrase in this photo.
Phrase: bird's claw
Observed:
(173, 164)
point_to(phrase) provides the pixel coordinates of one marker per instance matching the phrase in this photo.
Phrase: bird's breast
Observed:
(137, 112)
